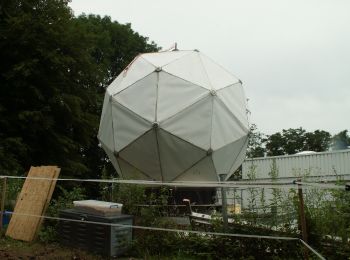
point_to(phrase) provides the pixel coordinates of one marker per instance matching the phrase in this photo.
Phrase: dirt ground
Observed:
(12, 249)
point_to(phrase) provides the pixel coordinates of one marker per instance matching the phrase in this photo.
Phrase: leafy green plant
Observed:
(13, 188)
(48, 232)
(65, 200)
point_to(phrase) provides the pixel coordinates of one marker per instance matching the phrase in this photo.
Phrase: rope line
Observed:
(198, 184)
(152, 228)
(312, 250)
(323, 185)
(237, 184)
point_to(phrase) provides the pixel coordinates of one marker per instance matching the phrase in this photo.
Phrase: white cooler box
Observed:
(98, 208)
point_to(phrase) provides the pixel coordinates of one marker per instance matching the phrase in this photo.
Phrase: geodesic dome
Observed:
(174, 116)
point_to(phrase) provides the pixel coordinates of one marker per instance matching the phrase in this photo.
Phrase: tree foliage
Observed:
(52, 77)
(289, 141)
(255, 143)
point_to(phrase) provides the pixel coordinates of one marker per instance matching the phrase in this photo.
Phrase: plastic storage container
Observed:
(100, 239)
(97, 207)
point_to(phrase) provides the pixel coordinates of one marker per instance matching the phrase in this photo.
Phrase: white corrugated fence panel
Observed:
(316, 164)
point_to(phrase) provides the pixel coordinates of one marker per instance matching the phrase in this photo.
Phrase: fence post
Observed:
(224, 203)
(3, 197)
(302, 217)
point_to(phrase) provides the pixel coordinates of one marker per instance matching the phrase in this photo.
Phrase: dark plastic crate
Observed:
(100, 239)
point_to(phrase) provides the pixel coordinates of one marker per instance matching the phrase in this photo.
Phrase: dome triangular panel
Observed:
(127, 125)
(224, 157)
(189, 68)
(233, 97)
(171, 149)
(218, 77)
(131, 172)
(143, 154)
(160, 59)
(137, 70)
(175, 94)
(239, 158)
(141, 97)
(192, 124)
(105, 133)
(203, 170)
(112, 158)
(226, 127)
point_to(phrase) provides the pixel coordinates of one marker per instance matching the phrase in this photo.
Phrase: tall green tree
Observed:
(275, 144)
(256, 143)
(53, 72)
(318, 141)
(294, 140)
(115, 45)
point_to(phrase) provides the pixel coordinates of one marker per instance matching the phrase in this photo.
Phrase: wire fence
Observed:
(268, 204)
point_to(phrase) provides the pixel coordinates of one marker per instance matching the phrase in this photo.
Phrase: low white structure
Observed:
(324, 165)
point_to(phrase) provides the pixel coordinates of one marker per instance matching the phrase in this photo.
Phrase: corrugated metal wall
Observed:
(325, 164)
(315, 166)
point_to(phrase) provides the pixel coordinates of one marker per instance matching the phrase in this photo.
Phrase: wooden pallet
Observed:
(33, 200)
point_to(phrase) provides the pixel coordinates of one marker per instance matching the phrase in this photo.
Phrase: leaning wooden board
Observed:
(32, 202)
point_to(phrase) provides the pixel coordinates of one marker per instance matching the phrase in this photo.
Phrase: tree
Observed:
(114, 46)
(291, 141)
(317, 141)
(256, 143)
(52, 80)
(275, 144)
(294, 140)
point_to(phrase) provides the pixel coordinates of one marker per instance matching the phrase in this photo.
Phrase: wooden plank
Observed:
(33, 200)
(48, 198)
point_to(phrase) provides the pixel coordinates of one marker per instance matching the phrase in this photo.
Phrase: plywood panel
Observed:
(33, 200)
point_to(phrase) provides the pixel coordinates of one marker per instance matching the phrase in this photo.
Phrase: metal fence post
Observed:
(3, 200)
(224, 203)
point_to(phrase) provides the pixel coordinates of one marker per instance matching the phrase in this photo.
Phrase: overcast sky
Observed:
(292, 56)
